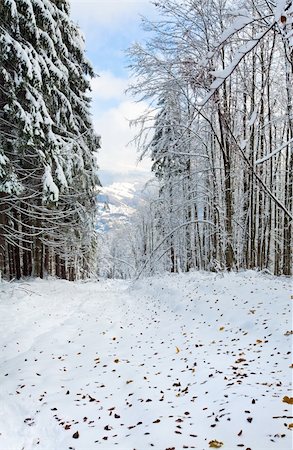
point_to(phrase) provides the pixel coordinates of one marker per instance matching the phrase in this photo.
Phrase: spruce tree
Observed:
(47, 165)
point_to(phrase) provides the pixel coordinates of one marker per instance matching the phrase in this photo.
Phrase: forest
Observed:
(48, 173)
(217, 78)
(168, 328)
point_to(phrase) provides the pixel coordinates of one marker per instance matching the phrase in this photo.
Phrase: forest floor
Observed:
(173, 362)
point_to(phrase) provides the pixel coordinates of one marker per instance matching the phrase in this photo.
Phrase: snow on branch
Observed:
(275, 152)
(222, 75)
(282, 17)
(241, 22)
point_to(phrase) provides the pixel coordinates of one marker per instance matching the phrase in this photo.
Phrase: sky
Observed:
(109, 28)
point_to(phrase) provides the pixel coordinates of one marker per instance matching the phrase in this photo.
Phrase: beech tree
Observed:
(230, 69)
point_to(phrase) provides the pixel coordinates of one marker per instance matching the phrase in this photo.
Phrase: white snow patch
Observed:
(172, 361)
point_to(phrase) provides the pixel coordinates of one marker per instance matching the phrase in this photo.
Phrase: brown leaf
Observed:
(75, 435)
(288, 333)
(288, 400)
(215, 444)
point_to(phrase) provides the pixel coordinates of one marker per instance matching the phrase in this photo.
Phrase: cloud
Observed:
(113, 126)
(108, 11)
(107, 86)
(110, 26)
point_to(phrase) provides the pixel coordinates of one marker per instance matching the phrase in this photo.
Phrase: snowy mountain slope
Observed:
(117, 203)
(166, 363)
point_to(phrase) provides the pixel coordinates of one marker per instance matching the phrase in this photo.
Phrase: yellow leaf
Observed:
(290, 426)
(177, 350)
(288, 400)
(259, 341)
(221, 328)
(215, 444)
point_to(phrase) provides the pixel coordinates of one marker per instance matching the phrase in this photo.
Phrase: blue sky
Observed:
(110, 27)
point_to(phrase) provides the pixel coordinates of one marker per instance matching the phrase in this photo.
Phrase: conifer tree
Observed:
(47, 165)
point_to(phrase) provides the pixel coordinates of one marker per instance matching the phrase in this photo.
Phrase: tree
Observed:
(48, 169)
(235, 76)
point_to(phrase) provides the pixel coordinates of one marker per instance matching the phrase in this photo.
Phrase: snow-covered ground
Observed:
(171, 362)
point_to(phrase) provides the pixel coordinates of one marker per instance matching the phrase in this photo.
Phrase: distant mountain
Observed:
(117, 203)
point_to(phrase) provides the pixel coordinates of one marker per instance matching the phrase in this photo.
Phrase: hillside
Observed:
(185, 361)
(117, 203)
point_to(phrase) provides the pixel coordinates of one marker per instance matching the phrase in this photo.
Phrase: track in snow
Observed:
(169, 363)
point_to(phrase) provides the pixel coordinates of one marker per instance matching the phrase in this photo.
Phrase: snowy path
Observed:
(167, 363)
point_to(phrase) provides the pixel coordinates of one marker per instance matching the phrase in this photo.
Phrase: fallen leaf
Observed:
(221, 328)
(290, 426)
(215, 444)
(288, 333)
(116, 361)
(75, 435)
(288, 400)
(177, 350)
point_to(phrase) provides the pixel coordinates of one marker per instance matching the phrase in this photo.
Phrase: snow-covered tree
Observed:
(232, 65)
(47, 165)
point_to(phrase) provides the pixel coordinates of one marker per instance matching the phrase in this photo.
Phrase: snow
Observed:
(280, 9)
(13, 8)
(120, 190)
(49, 185)
(169, 362)
(252, 118)
(241, 22)
(275, 152)
(243, 143)
(118, 203)
(222, 74)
